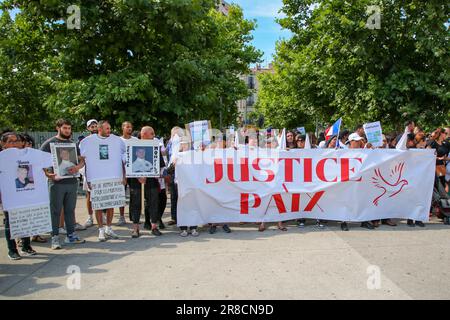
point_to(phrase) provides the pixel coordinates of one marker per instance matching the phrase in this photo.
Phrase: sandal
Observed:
(39, 239)
(282, 228)
(261, 228)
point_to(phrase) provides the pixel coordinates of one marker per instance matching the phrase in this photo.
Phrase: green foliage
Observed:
(335, 66)
(160, 63)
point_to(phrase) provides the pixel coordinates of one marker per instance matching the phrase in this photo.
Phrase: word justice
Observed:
(325, 170)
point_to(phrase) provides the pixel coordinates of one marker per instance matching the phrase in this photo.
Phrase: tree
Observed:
(161, 63)
(334, 65)
(23, 82)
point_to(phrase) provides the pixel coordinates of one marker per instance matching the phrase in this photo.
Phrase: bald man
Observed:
(151, 194)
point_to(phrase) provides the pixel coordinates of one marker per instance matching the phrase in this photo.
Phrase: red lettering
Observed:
(245, 202)
(313, 202)
(307, 170)
(279, 203)
(218, 171)
(295, 204)
(289, 168)
(321, 169)
(270, 173)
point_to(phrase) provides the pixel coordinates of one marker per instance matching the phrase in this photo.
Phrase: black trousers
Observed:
(162, 202)
(173, 199)
(12, 247)
(151, 201)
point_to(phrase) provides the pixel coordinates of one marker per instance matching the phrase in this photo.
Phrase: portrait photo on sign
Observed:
(65, 156)
(24, 180)
(103, 152)
(142, 158)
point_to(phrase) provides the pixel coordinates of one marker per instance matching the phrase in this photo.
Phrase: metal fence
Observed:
(41, 137)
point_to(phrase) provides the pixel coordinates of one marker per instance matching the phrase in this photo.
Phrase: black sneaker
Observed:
(161, 225)
(14, 255)
(344, 226)
(410, 223)
(420, 224)
(367, 225)
(28, 252)
(156, 232)
(226, 228)
(446, 220)
(212, 229)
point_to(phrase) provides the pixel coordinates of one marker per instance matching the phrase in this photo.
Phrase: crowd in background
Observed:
(156, 190)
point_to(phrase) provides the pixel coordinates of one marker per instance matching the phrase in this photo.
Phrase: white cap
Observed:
(88, 124)
(354, 137)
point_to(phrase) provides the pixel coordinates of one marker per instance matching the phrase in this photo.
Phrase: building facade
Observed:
(246, 106)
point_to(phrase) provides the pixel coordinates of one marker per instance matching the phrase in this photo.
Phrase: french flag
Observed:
(333, 130)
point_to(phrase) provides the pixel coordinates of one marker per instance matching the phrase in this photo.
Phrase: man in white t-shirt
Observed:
(127, 131)
(99, 168)
(91, 126)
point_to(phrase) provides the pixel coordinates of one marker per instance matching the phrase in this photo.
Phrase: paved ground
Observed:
(307, 263)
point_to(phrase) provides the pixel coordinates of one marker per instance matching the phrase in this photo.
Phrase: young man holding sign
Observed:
(104, 154)
(63, 191)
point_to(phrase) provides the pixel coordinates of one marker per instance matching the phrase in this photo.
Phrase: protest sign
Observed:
(107, 194)
(64, 156)
(374, 133)
(200, 133)
(142, 158)
(31, 221)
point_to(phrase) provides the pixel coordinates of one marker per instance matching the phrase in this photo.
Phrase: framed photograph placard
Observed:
(64, 156)
(142, 159)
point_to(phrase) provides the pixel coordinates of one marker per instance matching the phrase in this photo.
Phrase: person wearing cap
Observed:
(356, 141)
(91, 126)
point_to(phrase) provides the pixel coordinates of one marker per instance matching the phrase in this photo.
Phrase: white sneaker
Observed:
(194, 233)
(121, 221)
(101, 235)
(62, 231)
(110, 233)
(184, 233)
(79, 227)
(89, 222)
(55, 243)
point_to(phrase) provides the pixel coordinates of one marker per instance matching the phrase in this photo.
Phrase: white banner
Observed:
(224, 185)
(107, 194)
(28, 222)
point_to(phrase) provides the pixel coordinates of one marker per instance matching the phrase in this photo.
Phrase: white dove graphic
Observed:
(389, 188)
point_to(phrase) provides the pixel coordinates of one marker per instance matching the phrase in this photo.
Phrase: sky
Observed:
(267, 31)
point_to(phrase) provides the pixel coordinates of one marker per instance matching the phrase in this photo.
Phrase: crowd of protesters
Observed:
(63, 193)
